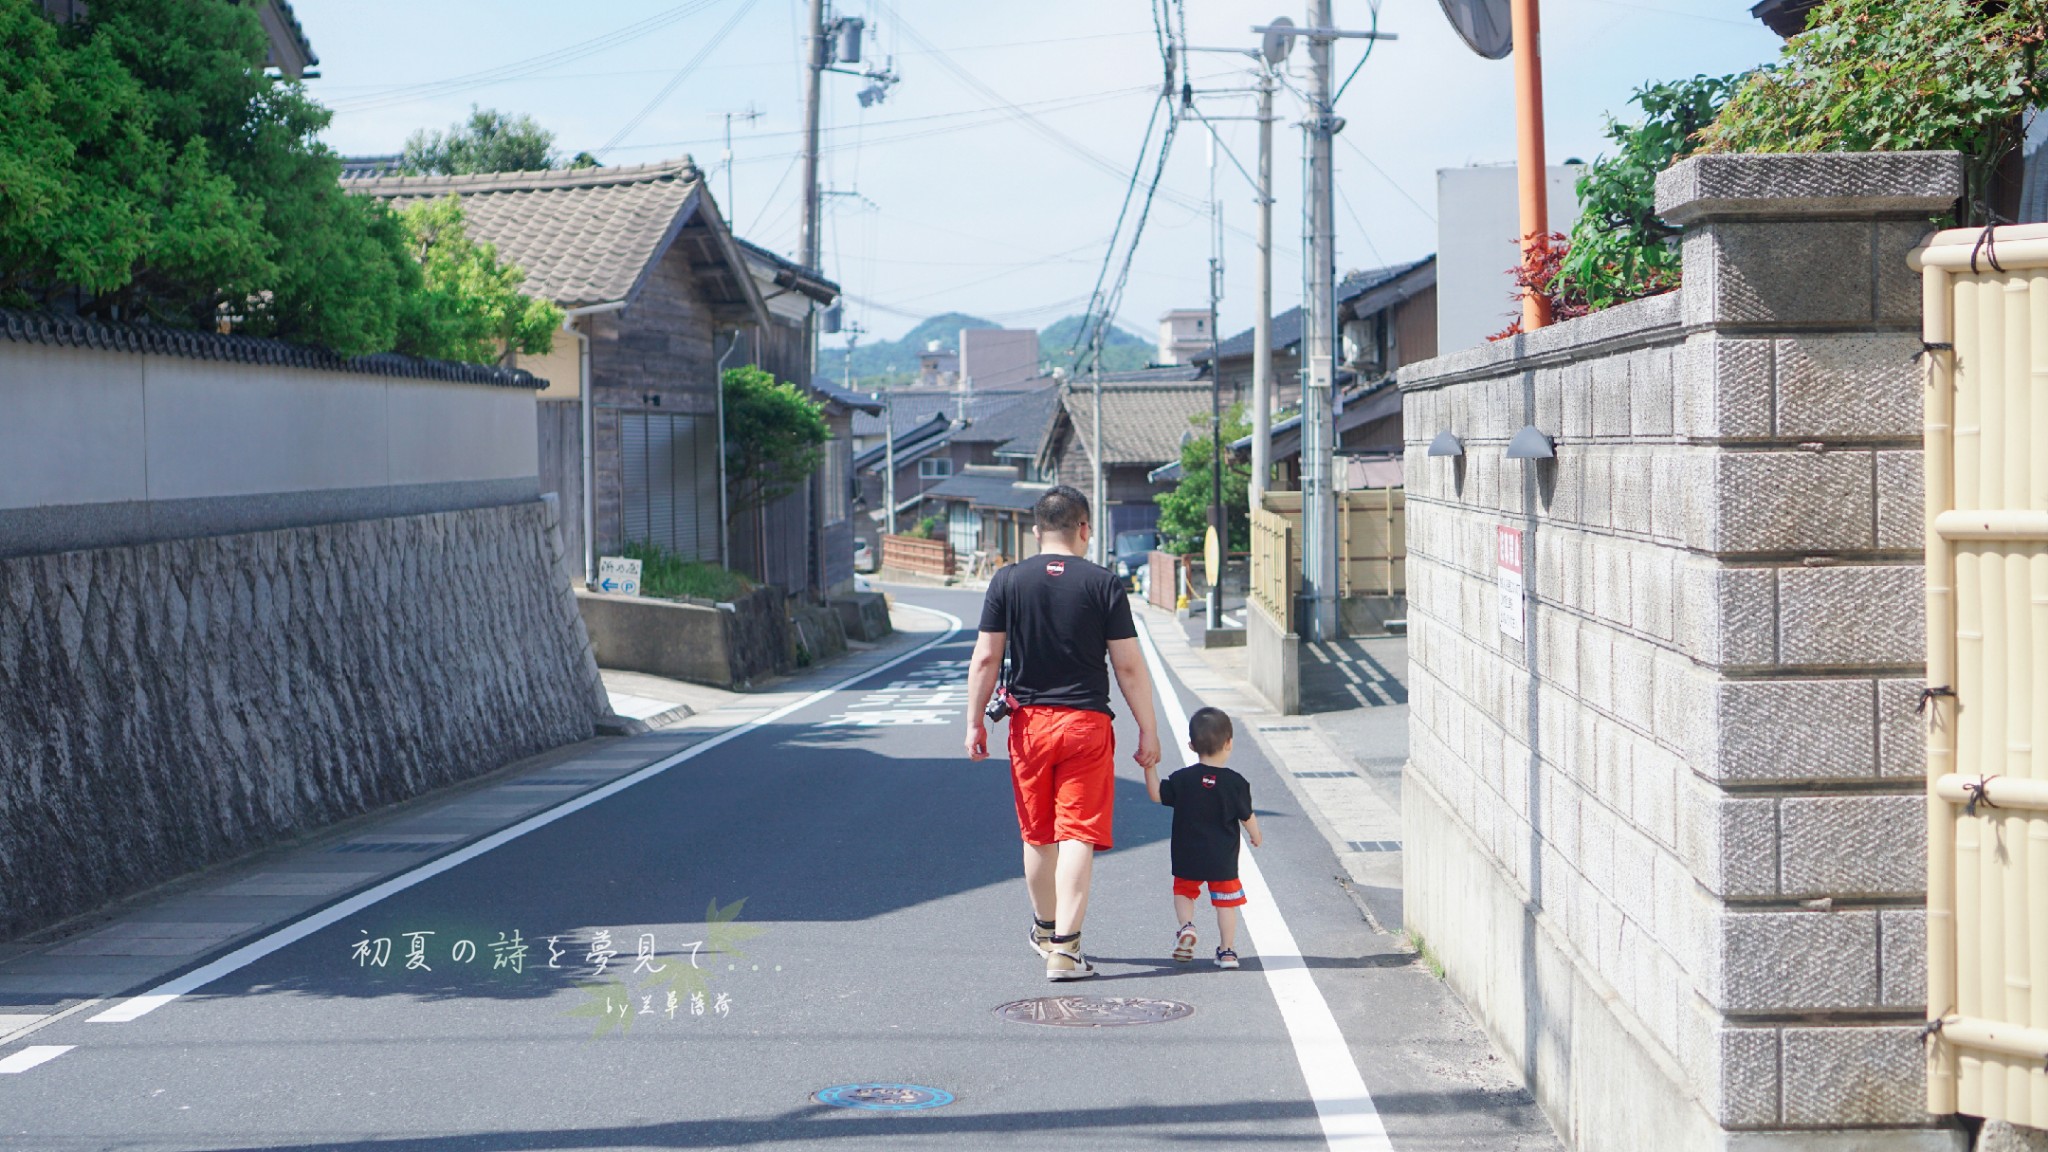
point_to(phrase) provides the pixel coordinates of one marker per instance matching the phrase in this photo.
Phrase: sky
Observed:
(989, 179)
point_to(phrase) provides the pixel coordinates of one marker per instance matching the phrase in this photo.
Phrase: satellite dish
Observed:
(1485, 25)
(1279, 41)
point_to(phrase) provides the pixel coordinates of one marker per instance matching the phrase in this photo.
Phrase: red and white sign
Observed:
(1508, 579)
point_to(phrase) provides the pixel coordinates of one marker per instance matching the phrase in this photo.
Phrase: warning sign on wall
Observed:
(1508, 578)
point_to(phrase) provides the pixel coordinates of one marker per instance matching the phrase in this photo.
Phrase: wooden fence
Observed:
(1372, 541)
(1986, 330)
(918, 555)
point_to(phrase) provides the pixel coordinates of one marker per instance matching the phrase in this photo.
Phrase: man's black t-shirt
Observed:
(1058, 615)
(1207, 802)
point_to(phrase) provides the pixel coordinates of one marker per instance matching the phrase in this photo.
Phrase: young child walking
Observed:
(1209, 803)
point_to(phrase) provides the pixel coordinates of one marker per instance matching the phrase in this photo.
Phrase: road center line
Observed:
(31, 1056)
(141, 1005)
(1351, 1122)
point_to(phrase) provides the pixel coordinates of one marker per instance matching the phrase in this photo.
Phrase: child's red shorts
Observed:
(1063, 770)
(1222, 893)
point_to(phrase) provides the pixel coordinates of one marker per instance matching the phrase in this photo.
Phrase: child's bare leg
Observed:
(1183, 909)
(1226, 927)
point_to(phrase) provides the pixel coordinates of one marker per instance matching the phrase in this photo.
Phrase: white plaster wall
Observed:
(71, 426)
(80, 426)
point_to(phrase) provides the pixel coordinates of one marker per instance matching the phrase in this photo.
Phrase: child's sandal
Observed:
(1184, 944)
(1226, 958)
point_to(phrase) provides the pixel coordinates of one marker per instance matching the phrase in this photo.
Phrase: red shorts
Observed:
(1222, 893)
(1063, 769)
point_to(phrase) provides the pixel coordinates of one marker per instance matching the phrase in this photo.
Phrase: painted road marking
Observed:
(136, 1007)
(31, 1056)
(1351, 1122)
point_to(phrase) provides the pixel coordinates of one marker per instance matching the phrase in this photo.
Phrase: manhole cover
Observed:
(1093, 1011)
(883, 1097)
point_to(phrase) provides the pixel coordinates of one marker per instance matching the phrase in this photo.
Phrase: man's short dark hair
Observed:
(1208, 731)
(1061, 510)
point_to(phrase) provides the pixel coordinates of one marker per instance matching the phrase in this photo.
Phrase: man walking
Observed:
(1063, 622)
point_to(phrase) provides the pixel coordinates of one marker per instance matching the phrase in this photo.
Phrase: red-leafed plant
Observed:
(1542, 273)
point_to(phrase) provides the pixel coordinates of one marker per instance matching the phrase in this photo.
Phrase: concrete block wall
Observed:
(1692, 792)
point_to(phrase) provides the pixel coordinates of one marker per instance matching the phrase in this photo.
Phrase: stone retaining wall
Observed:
(167, 706)
(1670, 846)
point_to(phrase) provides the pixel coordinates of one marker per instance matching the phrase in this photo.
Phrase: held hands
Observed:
(977, 739)
(1147, 755)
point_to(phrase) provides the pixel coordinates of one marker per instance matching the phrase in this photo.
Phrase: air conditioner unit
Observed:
(1364, 351)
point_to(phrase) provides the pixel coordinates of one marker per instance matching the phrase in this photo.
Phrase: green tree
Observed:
(489, 141)
(467, 306)
(1184, 511)
(1619, 249)
(1895, 76)
(74, 210)
(774, 438)
(247, 218)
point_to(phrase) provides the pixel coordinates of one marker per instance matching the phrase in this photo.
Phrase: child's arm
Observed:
(1152, 783)
(1251, 830)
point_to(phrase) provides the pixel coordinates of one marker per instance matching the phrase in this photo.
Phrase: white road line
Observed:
(1351, 1123)
(136, 1007)
(31, 1056)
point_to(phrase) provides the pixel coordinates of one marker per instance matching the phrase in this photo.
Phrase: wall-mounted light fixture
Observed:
(1531, 444)
(1446, 444)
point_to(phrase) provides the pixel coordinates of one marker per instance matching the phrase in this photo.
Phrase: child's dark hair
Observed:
(1208, 731)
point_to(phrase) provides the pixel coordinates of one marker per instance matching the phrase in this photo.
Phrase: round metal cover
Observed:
(1485, 26)
(1093, 1011)
(883, 1097)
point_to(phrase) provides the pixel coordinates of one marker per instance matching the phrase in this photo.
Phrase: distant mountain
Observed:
(887, 363)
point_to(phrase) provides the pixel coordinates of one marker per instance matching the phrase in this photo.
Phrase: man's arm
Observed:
(982, 669)
(1136, 681)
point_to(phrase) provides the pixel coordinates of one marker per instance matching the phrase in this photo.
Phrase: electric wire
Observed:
(682, 74)
(519, 69)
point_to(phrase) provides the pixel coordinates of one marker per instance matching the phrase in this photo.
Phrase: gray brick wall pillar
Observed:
(1694, 789)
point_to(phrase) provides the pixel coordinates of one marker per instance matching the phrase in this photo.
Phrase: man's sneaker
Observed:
(1041, 937)
(1063, 959)
(1184, 944)
(1225, 958)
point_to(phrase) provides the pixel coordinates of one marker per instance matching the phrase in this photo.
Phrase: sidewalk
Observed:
(1344, 767)
(138, 942)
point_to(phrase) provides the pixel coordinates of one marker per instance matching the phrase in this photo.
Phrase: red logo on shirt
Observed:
(1056, 568)
(1208, 781)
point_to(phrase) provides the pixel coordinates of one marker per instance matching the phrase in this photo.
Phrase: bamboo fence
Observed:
(1985, 309)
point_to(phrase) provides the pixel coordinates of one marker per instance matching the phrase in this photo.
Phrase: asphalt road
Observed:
(883, 922)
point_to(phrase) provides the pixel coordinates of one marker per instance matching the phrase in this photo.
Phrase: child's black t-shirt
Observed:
(1207, 802)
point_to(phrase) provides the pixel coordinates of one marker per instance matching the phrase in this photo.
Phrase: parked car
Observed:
(863, 556)
(1133, 551)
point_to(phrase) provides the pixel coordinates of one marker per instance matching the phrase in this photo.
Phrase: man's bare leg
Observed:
(1075, 869)
(1041, 861)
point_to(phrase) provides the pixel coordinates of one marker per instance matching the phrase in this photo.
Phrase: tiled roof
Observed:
(585, 236)
(1141, 423)
(988, 491)
(912, 407)
(1024, 418)
(1287, 325)
(72, 332)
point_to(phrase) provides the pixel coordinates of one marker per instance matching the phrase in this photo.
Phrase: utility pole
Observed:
(1318, 423)
(750, 115)
(1099, 498)
(1319, 561)
(814, 52)
(889, 460)
(1262, 321)
(1219, 523)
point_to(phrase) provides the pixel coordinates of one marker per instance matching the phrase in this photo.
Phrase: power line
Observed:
(519, 69)
(1389, 179)
(681, 75)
